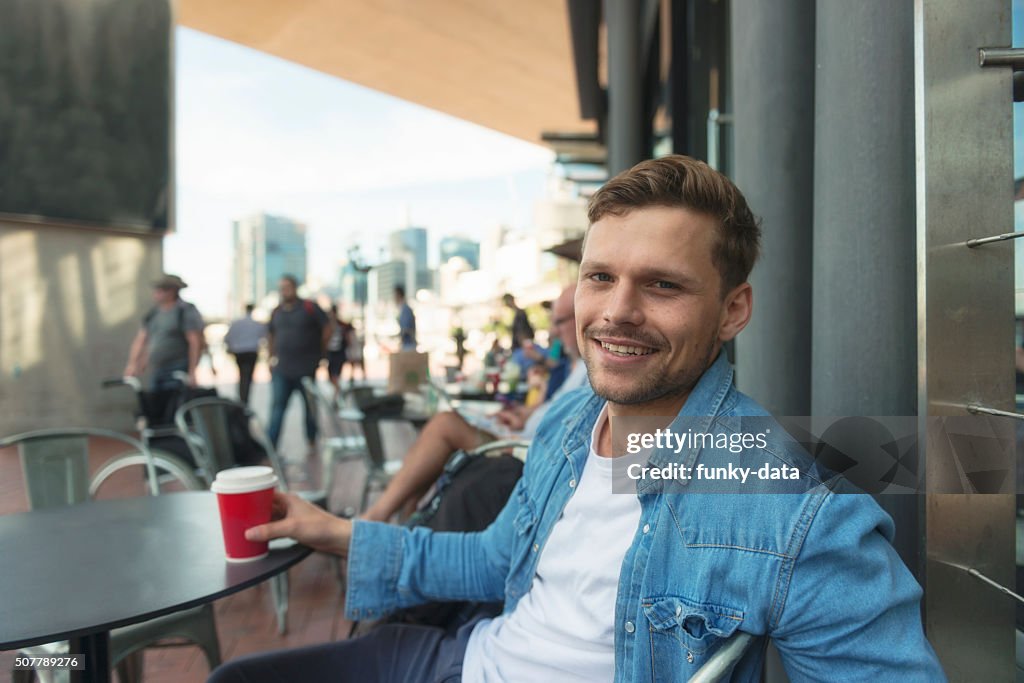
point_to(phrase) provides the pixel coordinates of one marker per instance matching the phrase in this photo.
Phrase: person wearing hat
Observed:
(170, 339)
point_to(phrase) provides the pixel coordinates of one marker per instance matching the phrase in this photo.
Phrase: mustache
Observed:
(624, 333)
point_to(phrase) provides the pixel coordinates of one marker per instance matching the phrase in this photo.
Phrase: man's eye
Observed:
(664, 284)
(601, 277)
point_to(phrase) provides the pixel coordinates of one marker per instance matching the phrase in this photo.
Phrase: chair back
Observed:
(55, 463)
(222, 434)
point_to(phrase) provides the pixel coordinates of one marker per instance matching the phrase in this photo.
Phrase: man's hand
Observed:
(306, 523)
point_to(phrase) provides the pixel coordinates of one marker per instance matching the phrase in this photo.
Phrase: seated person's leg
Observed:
(390, 654)
(444, 434)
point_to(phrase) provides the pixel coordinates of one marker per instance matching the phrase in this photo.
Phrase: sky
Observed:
(257, 133)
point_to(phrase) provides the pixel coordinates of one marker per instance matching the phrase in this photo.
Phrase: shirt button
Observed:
(629, 627)
(572, 483)
(647, 527)
(536, 547)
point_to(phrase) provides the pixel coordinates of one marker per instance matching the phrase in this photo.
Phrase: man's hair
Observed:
(678, 181)
(290, 278)
(249, 308)
(400, 291)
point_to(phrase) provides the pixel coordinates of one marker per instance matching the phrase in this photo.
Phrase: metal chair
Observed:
(721, 664)
(55, 468)
(210, 430)
(341, 437)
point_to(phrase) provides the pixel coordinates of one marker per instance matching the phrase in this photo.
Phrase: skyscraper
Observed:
(266, 247)
(460, 246)
(409, 245)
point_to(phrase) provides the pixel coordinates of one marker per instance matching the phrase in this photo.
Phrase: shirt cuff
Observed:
(374, 563)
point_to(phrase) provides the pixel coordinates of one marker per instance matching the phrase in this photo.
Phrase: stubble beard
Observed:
(654, 385)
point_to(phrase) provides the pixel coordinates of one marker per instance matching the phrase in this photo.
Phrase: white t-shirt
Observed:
(563, 628)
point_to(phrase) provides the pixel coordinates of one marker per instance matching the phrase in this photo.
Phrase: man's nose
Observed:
(622, 306)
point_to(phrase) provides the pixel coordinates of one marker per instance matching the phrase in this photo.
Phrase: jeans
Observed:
(281, 389)
(398, 653)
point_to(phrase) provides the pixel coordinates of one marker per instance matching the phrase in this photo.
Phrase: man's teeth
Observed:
(627, 350)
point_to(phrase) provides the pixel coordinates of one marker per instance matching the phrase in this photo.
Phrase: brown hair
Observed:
(683, 182)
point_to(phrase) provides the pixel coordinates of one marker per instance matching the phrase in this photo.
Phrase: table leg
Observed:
(95, 648)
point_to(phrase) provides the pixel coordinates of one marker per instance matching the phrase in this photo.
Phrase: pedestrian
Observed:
(337, 348)
(406, 321)
(297, 337)
(243, 341)
(522, 330)
(170, 341)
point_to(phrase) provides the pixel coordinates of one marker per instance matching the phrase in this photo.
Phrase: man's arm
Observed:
(390, 567)
(137, 355)
(851, 609)
(195, 351)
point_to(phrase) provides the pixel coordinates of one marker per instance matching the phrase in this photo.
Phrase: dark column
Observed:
(773, 71)
(625, 133)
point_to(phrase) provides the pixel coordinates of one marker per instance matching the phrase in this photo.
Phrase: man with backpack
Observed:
(170, 340)
(297, 336)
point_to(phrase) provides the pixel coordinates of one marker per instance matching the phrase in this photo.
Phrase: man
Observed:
(170, 340)
(603, 586)
(243, 340)
(522, 330)
(297, 337)
(406, 321)
(448, 432)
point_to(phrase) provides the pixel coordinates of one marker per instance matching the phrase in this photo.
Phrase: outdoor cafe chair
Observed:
(55, 469)
(221, 434)
(341, 439)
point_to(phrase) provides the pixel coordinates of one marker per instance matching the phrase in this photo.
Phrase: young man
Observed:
(170, 340)
(296, 341)
(636, 586)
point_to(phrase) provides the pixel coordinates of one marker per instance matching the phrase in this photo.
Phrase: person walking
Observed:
(297, 336)
(243, 341)
(406, 321)
(170, 340)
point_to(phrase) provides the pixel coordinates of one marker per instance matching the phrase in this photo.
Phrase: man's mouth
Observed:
(623, 350)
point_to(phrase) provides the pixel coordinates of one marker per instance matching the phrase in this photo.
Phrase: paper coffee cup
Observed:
(245, 497)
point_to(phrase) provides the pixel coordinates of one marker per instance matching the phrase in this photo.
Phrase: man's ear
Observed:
(736, 310)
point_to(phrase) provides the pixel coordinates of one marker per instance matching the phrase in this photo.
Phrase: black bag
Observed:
(159, 407)
(471, 492)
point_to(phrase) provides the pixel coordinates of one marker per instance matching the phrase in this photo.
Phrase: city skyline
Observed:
(257, 134)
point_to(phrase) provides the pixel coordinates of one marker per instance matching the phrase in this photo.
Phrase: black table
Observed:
(74, 573)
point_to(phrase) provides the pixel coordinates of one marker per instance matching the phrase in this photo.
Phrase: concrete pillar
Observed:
(625, 85)
(773, 72)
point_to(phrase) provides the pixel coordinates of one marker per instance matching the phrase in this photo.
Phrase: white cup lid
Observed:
(244, 480)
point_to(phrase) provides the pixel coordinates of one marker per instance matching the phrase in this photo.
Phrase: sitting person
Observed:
(645, 584)
(448, 432)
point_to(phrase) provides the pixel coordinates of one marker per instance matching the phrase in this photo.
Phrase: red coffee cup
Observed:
(245, 496)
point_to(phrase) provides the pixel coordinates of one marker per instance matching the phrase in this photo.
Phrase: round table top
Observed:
(88, 568)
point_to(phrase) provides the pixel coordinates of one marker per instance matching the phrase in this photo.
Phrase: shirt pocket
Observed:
(685, 633)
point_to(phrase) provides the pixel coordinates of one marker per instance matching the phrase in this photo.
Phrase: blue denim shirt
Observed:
(811, 568)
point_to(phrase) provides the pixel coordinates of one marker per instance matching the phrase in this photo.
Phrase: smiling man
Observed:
(644, 585)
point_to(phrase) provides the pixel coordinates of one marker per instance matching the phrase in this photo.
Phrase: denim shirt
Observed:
(809, 567)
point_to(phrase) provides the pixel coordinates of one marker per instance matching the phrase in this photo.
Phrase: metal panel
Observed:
(965, 315)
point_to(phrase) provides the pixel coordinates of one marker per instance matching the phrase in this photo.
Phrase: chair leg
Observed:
(279, 588)
(130, 669)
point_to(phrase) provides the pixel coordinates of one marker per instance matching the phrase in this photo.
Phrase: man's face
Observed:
(163, 295)
(286, 289)
(649, 307)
